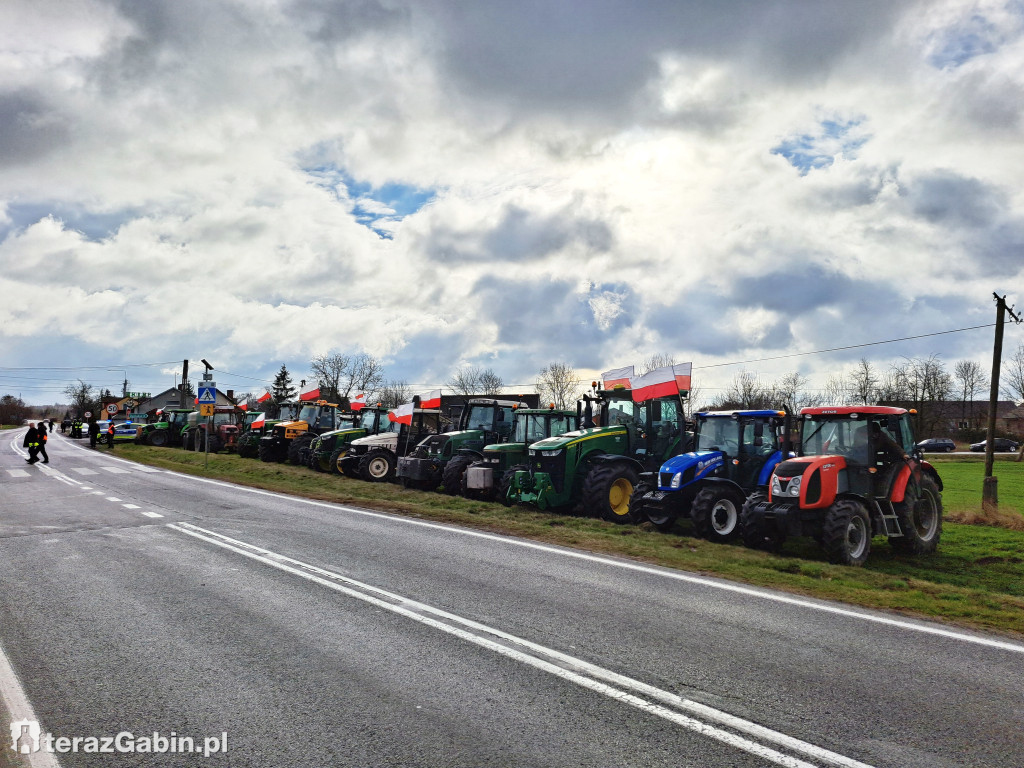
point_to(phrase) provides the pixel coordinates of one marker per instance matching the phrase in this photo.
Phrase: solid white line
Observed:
(416, 611)
(663, 572)
(17, 703)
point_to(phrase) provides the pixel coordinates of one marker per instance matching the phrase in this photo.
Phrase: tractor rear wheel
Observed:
(660, 516)
(377, 466)
(920, 517)
(451, 478)
(336, 455)
(296, 445)
(187, 440)
(716, 514)
(846, 533)
(756, 533)
(607, 489)
(216, 444)
(506, 482)
(158, 437)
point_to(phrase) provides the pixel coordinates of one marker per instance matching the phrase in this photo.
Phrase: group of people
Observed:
(35, 441)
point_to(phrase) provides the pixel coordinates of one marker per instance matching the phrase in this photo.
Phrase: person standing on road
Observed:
(32, 443)
(94, 433)
(110, 435)
(42, 443)
(51, 425)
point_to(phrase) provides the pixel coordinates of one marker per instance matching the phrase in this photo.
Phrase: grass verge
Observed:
(976, 579)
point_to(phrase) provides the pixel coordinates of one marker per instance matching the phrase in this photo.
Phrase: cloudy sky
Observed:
(442, 183)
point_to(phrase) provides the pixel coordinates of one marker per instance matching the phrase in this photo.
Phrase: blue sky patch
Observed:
(954, 46)
(819, 149)
(95, 226)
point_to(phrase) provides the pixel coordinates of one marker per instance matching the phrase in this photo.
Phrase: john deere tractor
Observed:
(287, 439)
(328, 448)
(441, 459)
(375, 458)
(599, 465)
(490, 476)
(857, 474)
(735, 454)
(167, 430)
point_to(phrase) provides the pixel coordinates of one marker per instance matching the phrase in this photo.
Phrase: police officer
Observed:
(32, 443)
(94, 432)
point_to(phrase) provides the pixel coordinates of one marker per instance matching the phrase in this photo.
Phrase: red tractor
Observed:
(857, 474)
(225, 430)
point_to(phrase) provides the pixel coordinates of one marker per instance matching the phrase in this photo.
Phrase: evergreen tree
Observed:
(282, 389)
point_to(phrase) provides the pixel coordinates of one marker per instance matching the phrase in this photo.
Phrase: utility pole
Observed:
(989, 488)
(184, 382)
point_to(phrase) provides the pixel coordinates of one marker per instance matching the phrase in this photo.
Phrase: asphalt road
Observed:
(137, 601)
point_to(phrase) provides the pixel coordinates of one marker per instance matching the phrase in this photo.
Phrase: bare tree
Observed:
(926, 385)
(654, 362)
(341, 376)
(746, 392)
(13, 410)
(393, 394)
(836, 391)
(791, 391)
(329, 370)
(970, 381)
(1012, 374)
(863, 383)
(475, 381)
(82, 397)
(366, 374)
(558, 383)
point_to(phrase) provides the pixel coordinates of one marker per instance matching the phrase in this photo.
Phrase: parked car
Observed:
(937, 445)
(999, 444)
(123, 431)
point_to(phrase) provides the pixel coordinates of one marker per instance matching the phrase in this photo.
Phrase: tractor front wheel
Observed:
(377, 466)
(716, 514)
(216, 444)
(607, 489)
(755, 531)
(920, 517)
(296, 445)
(846, 533)
(661, 516)
(506, 483)
(158, 437)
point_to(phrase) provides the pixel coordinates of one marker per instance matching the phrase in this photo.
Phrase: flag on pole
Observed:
(658, 383)
(617, 377)
(260, 421)
(358, 402)
(402, 414)
(264, 397)
(310, 394)
(244, 406)
(683, 372)
(431, 400)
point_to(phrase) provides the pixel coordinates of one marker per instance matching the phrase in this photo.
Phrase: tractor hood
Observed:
(576, 436)
(504, 448)
(381, 440)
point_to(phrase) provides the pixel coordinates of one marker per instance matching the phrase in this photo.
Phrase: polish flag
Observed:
(658, 383)
(310, 394)
(159, 411)
(244, 406)
(259, 422)
(264, 398)
(431, 400)
(402, 414)
(682, 372)
(617, 377)
(358, 402)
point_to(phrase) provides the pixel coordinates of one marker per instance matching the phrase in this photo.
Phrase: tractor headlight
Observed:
(794, 486)
(677, 480)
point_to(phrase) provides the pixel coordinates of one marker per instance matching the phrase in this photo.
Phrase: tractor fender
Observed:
(899, 486)
(765, 475)
(469, 452)
(611, 458)
(724, 481)
(929, 471)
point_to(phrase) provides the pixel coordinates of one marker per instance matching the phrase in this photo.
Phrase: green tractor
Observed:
(490, 476)
(375, 458)
(327, 449)
(599, 465)
(287, 439)
(248, 446)
(167, 430)
(442, 459)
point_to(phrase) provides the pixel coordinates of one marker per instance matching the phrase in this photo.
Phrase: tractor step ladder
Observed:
(890, 522)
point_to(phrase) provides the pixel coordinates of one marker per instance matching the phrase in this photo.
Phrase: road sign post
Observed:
(207, 403)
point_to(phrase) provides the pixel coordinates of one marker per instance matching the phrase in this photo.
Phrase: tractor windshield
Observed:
(309, 414)
(718, 434)
(536, 426)
(831, 436)
(223, 418)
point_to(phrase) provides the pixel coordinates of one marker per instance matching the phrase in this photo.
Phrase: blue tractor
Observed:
(735, 454)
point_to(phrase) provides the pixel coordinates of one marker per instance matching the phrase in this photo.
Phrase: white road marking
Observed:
(582, 673)
(151, 514)
(17, 703)
(112, 498)
(86, 487)
(132, 506)
(98, 493)
(84, 471)
(18, 472)
(116, 470)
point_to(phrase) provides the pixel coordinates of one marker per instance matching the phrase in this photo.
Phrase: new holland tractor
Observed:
(599, 465)
(441, 459)
(248, 446)
(857, 474)
(490, 476)
(167, 430)
(375, 458)
(224, 435)
(735, 453)
(288, 438)
(326, 449)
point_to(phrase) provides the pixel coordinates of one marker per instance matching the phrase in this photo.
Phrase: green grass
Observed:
(962, 478)
(10, 426)
(976, 579)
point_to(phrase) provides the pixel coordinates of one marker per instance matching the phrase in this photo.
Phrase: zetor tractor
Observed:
(490, 477)
(166, 431)
(326, 449)
(375, 458)
(735, 454)
(857, 474)
(600, 464)
(288, 438)
(441, 459)
(224, 435)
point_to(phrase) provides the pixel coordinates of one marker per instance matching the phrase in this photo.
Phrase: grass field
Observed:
(975, 580)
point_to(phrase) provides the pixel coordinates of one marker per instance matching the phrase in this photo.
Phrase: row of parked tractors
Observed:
(841, 475)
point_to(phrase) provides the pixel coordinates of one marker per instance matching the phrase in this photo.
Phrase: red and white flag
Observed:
(617, 377)
(310, 394)
(402, 414)
(358, 402)
(263, 398)
(431, 400)
(683, 372)
(244, 406)
(658, 383)
(259, 422)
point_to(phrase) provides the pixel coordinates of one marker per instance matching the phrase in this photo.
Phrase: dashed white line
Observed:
(112, 498)
(152, 514)
(84, 471)
(132, 506)
(116, 470)
(18, 472)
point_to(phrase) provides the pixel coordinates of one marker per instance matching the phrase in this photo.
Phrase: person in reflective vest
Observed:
(110, 434)
(32, 443)
(42, 442)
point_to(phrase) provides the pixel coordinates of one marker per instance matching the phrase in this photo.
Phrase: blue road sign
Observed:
(207, 396)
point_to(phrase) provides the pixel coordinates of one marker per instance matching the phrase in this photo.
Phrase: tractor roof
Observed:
(849, 410)
(736, 414)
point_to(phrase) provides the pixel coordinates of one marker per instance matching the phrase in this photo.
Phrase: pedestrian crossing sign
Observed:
(207, 396)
